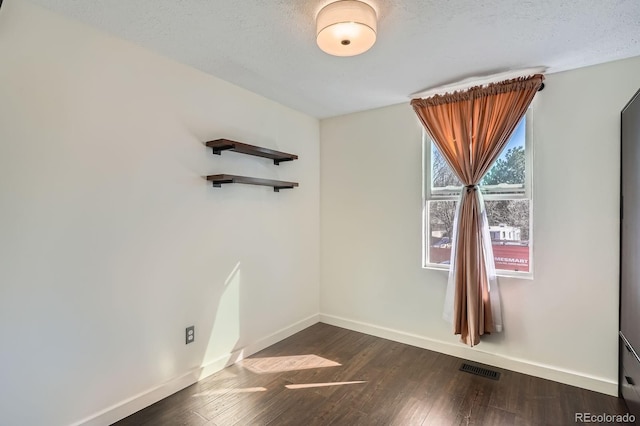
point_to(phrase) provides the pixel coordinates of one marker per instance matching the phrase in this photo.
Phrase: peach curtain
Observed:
(470, 129)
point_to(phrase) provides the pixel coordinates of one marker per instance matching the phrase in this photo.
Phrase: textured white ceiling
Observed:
(268, 46)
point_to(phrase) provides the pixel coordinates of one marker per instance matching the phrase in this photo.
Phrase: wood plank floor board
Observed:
(359, 355)
(334, 405)
(481, 413)
(347, 417)
(234, 400)
(210, 401)
(178, 406)
(403, 383)
(394, 374)
(412, 410)
(429, 388)
(495, 416)
(453, 402)
(263, 412)
(533, 400)
(286, 404)
(301, 381)
(305, 343)
(503, 397)
(306, 403)
(183, 418)
(370, 366)
(237, 410)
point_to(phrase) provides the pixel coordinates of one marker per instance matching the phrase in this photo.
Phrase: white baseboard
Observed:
(549, 372)
(137, 402)
(144, 399)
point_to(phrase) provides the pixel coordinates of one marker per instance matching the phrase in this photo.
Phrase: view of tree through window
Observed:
(507, 203)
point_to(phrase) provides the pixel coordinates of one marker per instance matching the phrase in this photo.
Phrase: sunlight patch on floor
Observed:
(286, 363)
(321, 385)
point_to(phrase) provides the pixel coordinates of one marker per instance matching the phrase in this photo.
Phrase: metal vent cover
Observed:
(480, 371)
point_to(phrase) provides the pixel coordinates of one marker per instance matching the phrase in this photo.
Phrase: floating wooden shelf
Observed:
(219, 180)
(278, 157)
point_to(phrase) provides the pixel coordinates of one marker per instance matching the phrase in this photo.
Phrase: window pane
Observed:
(509, 168)
(442, 174)
(508, 171)
(441, 215)
(508, 229)
(509, 232)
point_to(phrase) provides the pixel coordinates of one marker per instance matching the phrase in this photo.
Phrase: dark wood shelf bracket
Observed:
(277, 185)
(278, 157)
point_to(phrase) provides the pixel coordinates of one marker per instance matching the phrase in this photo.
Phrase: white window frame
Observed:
(452, 193)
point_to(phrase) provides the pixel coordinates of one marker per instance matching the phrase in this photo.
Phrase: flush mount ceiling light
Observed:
(346, 28)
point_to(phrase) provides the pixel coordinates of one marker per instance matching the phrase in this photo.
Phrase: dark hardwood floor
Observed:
(327, 375)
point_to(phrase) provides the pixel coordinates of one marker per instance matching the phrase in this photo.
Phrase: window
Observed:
(506, 189)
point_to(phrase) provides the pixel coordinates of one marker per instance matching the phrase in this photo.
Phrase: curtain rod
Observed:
(478, 81)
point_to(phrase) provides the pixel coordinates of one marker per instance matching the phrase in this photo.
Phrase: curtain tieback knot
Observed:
(471, 188)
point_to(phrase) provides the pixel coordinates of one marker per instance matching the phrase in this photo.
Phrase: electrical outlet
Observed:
(190, 335)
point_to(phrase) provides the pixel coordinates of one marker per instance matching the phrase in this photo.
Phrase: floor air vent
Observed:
(479, 371)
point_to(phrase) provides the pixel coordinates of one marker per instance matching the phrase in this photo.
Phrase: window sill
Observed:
(501, 274)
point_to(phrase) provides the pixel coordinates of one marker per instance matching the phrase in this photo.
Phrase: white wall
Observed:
(562, 324)
(112, 242)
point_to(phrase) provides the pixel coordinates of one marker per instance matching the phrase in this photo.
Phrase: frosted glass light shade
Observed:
(346, 28)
